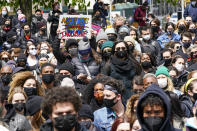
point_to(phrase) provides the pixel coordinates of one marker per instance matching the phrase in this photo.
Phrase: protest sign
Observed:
(75, 26)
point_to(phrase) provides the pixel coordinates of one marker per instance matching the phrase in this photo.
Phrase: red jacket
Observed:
(139, 15)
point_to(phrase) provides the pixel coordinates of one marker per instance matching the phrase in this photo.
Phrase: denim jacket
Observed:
(104, 118)
(164, 39)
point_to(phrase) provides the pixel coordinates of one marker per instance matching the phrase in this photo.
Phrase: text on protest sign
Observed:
(75, 26)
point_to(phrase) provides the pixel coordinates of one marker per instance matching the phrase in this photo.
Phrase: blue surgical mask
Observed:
(4, 12)
(23, 20)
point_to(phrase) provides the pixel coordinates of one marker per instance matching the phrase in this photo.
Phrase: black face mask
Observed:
(121, 54)
(27, 31)
(186, 44)
(153, 123)
(122, 36)
(112, 38)
(195, 96)
(67, 122)
(39, 17)
(43, 29)
(167, 62)
(19, 106)
(30, 91)
(146, 65)
(6, 78)
(107, 55)
(109, 102)
(87, 124)
(48, 78)
(192, 30)
(61, 77)
(181, 27)
(131, 48)
(155, 29)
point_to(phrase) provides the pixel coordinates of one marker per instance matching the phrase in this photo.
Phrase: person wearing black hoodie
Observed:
(154, 110)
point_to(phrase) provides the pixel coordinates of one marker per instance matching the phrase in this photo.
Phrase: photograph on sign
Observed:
(75, 26)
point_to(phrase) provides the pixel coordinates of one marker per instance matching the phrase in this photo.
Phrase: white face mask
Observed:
(4, 13)
(33, 52)
(179, 67)
(146, 37)
(163, 82)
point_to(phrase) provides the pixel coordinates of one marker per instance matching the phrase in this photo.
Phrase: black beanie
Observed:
(67, 66)
(33, 104)
(70, 42)
(86, 111)
(11, 34)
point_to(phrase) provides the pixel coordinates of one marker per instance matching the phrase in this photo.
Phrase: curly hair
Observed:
(117, 84)
(20, 78)
(130, 105)
(89, 91)
(60, 95)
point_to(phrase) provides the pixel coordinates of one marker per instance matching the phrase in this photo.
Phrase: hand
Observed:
(88, 79)
(82, 76)
(144, 18)
(56, 14)
(58, 30)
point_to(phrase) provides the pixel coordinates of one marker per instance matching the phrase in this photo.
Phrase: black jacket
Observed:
(48, 126)
(154, 89)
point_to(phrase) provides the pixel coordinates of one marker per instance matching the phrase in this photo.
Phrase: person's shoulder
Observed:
(101, 110)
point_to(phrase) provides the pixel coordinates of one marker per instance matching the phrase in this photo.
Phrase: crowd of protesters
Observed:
(124, 78)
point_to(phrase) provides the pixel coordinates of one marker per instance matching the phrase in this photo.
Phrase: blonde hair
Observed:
(170, 85)
(14, 91)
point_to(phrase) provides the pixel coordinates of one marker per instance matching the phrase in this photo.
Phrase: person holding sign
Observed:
(54, 19)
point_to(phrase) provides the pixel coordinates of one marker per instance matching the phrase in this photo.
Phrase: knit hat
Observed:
(18, 69)
(101, 35)
(67, 66)
(162, 70)
(33, 104)
(84, 46)
(110, 31)
(123, 29)
(107, 44)
(71, 42)
(67, 82)
(86, 111)
(20, 16)
(129, 39)
(12, 64)
(11, 33)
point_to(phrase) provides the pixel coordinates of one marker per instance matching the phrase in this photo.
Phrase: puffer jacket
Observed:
(93, 67)
(155, 89)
